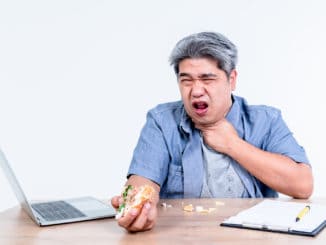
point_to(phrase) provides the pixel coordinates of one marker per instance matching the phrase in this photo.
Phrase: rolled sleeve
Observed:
(151, 156)
(281, 140)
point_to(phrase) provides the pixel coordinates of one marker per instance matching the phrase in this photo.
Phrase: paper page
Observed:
(279, 215)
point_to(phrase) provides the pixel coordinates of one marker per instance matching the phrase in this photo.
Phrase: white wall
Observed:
(77, 77)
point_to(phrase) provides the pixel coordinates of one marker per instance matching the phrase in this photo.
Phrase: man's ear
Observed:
(233, 79)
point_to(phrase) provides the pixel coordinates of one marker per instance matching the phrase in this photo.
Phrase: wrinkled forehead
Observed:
(198, 67)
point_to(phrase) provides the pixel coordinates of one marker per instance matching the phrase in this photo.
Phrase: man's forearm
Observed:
(277, 171)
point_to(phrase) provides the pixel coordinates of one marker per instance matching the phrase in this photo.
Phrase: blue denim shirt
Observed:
(169, 147)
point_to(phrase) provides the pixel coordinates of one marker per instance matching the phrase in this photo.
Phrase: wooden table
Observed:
(174, 226)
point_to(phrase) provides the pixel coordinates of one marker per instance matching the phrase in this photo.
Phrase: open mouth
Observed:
(200, 107)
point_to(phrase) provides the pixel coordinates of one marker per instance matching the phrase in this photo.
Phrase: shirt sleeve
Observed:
(280, 140)
(150, 157)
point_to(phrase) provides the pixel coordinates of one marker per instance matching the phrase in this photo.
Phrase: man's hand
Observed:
(219, 136)
(277, 171)
(143, 219)
(137, 220)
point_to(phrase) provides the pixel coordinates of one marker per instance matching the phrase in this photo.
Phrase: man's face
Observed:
(205, 90)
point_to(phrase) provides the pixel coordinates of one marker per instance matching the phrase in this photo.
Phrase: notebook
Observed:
(306, 219)
(57, 212)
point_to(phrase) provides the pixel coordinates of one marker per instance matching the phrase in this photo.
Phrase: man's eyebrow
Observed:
(207, 75)
(183, 74)
(204, 75)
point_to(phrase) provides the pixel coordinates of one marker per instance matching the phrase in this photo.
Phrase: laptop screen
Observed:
(15, 184)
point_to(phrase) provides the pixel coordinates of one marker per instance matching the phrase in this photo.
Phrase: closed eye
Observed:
(186, 81)
(208, 80)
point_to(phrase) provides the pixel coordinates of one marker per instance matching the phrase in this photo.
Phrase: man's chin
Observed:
(203, 122)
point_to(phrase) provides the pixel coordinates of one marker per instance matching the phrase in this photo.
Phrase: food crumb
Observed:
(165, 205)
(218, 203)
(188, 208)
(198, 209)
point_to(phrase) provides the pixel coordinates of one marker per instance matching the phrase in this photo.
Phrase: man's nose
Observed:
(198, 89)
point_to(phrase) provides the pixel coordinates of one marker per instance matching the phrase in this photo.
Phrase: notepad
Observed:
(280, 216)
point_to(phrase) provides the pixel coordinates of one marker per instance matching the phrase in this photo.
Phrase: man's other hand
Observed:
(144, 218)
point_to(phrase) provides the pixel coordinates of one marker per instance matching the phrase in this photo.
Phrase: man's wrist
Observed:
(234, 148)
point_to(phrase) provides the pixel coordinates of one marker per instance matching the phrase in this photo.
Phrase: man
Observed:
(212, 143)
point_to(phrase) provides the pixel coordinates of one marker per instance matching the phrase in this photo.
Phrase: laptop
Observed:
(60, 211)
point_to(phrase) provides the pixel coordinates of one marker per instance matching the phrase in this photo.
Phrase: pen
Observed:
(304, 211)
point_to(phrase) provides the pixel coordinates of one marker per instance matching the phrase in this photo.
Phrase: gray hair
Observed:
(206, 44)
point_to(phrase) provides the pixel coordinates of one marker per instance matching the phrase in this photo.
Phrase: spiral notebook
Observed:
(305, 219)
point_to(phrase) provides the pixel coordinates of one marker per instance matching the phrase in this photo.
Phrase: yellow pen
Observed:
(304, 211)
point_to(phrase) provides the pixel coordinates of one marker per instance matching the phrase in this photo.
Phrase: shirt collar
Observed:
(233, 116)
(185, 123)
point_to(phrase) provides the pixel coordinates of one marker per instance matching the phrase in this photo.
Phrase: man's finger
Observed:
(141, 221)
(151, 217)
(129, 218)
(115, 201)
(152, 214)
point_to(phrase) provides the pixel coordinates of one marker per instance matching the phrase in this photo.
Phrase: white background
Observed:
(77, 78)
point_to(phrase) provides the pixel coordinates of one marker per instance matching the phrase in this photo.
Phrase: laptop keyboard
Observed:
(58, 210)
